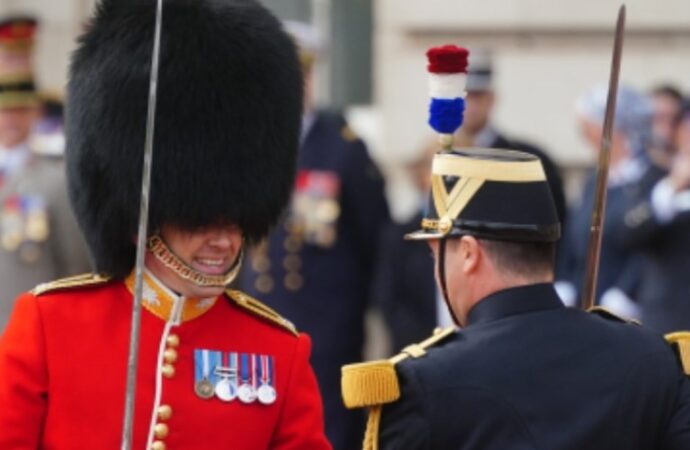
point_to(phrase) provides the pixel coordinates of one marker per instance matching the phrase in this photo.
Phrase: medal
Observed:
(204, 389)
(247, 390)
(266, 393)
(36, 226)
(226, 388)
(11, 226)
(203, 381)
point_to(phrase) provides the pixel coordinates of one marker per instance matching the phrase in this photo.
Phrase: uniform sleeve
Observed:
(405, 423)
(678, 432)
(364, 202)
(70, 254)
(301, 424)
(23, 378)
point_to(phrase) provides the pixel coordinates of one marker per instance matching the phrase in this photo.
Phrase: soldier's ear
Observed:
(470, 253)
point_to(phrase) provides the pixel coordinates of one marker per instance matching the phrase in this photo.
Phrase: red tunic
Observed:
(63, 369)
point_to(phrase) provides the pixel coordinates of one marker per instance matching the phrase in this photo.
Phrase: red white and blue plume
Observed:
(447, 79)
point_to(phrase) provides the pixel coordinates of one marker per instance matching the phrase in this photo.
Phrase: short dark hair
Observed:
(669, 91)
(525, 259)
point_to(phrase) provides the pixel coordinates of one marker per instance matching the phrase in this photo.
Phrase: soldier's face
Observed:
(210, 251)
(478, 108)
(15, 125)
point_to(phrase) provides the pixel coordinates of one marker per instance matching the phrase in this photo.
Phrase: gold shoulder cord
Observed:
(375, 383)
(259, 309)
(77, 281)
(680, 341)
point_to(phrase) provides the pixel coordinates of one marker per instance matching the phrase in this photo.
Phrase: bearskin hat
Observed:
(227, 121)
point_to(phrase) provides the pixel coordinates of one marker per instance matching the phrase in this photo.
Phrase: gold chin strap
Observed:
(163, 254)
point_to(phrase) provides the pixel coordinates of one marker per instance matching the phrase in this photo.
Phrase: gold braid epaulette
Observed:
(77, 281)
(259, 309)
(680, 342)
(375, 383)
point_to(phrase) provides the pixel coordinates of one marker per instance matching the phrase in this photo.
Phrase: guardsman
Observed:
(316, 267)
(217, 368)
(39, 237)
(524, 372)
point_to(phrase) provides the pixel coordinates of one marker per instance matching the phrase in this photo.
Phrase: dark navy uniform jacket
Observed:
(321, 281)
(620, 265)
(663, 292)
(529, 374)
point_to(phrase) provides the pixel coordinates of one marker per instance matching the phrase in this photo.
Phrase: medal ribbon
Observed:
(206, 366)
(253, 373)
(263, 369)
(245, 368)
(233, 367)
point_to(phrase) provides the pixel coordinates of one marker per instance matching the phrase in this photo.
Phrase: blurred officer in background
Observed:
(657, 222)
(479, 131)
(667, 101)
(404, 286)
(631, 173)
(316, 267)
(217, 368)
(39, 237)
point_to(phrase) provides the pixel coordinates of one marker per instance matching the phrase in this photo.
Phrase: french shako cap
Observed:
(227, 121)
(490, 194)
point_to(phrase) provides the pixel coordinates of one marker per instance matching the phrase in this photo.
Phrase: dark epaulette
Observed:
(77, 281)
(680, 342)
(257, 308)
(608, 315)
(376, 382)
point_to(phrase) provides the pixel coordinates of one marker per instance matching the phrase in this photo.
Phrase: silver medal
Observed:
(246, 393)
(267, 394)
(225, 390)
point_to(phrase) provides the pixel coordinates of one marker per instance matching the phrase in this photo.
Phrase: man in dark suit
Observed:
(631, 175)
(524, 372)
(316, 266)
(657, 222)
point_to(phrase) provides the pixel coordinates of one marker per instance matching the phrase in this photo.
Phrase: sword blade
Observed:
(130, 393)
(599, 206)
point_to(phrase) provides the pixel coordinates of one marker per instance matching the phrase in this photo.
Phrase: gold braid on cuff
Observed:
(161, 251)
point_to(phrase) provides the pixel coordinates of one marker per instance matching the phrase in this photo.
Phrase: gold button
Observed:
(158, 445)
(264, 283)
(294, 281)
(292, 244)
(292, 262)
(161, 430)
(261, 263)
(168, 370)
(173, 340)
(165, 412)
(170, 355)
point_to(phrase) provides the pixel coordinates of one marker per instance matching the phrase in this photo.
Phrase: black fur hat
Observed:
(227, 121)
